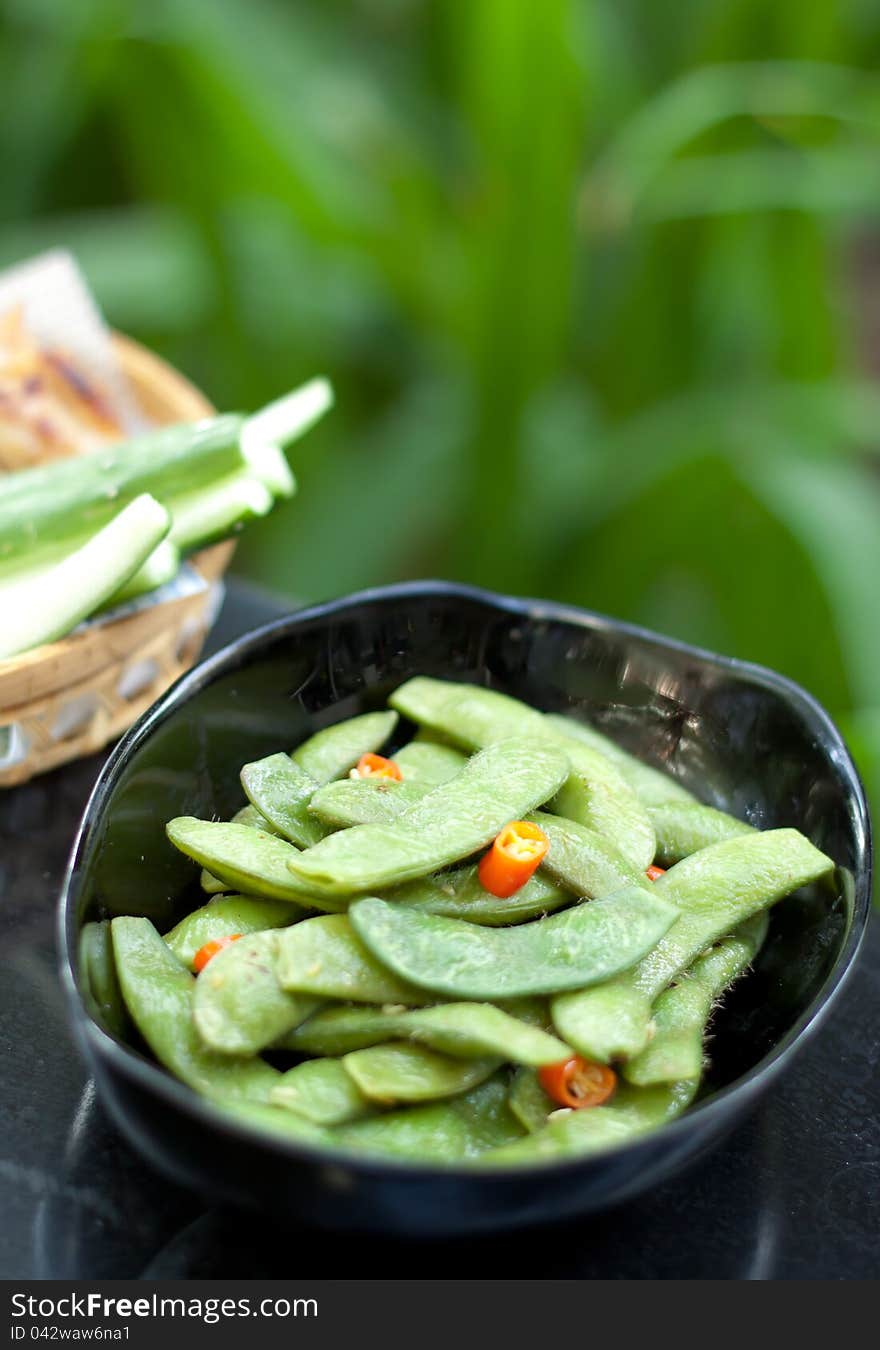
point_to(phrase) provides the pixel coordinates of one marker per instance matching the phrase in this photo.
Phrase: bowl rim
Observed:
(155, 1079)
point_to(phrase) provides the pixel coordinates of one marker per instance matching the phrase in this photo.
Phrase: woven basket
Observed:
(69, 698)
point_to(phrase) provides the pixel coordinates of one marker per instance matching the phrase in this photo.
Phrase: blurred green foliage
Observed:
(596, 281)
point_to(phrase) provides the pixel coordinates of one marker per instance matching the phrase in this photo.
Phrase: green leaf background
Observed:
(599, 288)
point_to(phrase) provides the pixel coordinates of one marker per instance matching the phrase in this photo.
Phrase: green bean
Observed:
(429, 764)
(281, 791)
(465, 1029)
(248, 860)
(499, 784)
(449, 1000)
(681, 1012)
(583, 861)
(100, 981)
(714, 891)
(650, 785)
(466, 714)
(273, 1119)
(474, 717)
(580, 946)
(322, 1091)
(158, 992)
(239, 1007)
(459, 894)
(248, 815)
(282, 786)
(528, 1100)
(449, 1131)
(325, 957)
(684, 828)
(399, 1072)
(332, 752)
(630, 1113)
(608, 1022)
(721, 886)
(425, 736)
(364, 801)
(229, 914)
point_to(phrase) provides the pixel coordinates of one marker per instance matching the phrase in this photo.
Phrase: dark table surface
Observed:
(794, 1193)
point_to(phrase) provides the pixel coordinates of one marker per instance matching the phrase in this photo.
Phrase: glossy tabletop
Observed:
(794, 1193)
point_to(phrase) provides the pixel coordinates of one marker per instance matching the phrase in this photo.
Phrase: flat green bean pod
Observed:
(714, 891)
(596, 796)
(502, 783)
(465, 1029)
(682, 1012)
(567, 1134)
(684, 828)
(449, 1131)
(649, 784)
(271, 1118)
(468, 715)
(229, 914)
(325, 957)
(249, 860)
(100, 981)
(582, 945)
(459, 894)
(158, 992)
(322, 1091)
(400, 1072)
(332, 752)
(247, 815)
(281, 791)
(426, 1006)
(428, 763)
(239, 1007)
(583, 861)
(475, 717)
(365, 801)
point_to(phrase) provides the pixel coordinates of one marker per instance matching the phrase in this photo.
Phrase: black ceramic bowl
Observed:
(741, 737)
